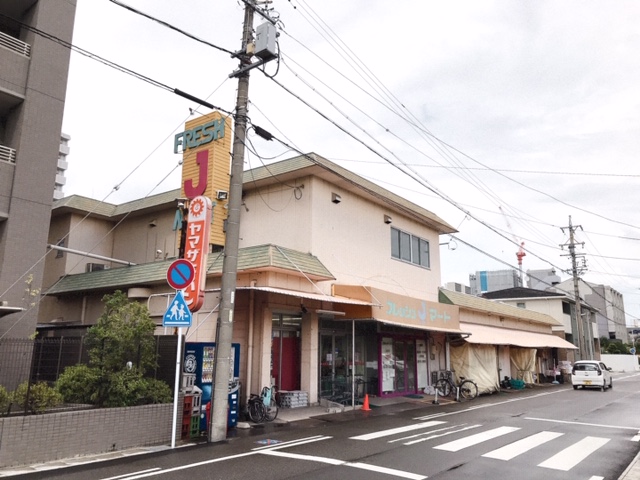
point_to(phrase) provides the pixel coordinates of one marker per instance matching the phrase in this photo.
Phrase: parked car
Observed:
(591, 373)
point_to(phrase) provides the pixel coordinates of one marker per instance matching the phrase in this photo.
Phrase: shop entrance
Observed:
(334, 352)
(398, 358)
(285, 351)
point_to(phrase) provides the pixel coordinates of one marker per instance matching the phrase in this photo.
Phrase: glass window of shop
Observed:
(343, 369)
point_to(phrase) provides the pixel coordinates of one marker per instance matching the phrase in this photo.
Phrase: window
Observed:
(521, 305)
(60, 253)
(409, 248)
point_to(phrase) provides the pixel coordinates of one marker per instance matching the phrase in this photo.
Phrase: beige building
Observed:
(337, 286)
(337, 278)
(503, 340)
(560, 306)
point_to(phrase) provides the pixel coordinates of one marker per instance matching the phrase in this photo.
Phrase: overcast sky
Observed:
(513, 116)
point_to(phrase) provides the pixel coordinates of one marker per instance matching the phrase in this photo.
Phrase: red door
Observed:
(285, 368)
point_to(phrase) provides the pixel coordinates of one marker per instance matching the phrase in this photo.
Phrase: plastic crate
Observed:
(194, 431)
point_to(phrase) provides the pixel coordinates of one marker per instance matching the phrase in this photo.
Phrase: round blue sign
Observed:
(180, 274)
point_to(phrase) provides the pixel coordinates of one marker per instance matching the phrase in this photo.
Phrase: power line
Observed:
(114, 65)
(170, 26)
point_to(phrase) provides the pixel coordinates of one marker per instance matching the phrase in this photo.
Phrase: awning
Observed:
(483, 334)
(415, 326)
(311, 296)
(9, 310)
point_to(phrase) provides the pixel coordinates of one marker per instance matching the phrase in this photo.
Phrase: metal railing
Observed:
(7, 154)
(15, 45)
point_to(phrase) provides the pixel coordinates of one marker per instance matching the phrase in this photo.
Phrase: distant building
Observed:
(561, 306)
(610, 305)
(457, 287)
(542, 279)
(490, 281)
(61, 180)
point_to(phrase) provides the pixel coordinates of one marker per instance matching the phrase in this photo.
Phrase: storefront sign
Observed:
(205, 145)
(402, 310)
(197, 249)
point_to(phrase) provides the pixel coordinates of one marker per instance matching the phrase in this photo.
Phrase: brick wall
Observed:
(41, 438)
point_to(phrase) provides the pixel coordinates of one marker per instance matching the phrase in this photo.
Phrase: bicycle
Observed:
(465, 389)
(263, 407)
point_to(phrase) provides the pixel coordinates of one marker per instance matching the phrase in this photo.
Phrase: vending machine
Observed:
(199, 359)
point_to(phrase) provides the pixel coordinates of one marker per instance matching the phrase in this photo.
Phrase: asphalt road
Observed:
(541, 433)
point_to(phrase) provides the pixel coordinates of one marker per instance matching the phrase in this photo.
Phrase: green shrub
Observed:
(78, 384)
(36, 398)
(5, 400)
(129, 387)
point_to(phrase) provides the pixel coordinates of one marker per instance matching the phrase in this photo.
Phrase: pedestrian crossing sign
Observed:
(178, 313)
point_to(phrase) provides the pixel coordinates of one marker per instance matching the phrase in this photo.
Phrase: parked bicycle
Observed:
(263, 407)
(465, 389)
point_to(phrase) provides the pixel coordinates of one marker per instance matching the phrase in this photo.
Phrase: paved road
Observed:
(545, 433)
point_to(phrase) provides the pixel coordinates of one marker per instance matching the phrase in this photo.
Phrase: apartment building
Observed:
(33, 82)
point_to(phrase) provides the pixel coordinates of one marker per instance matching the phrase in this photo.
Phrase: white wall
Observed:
(350, 237)
(621, 363)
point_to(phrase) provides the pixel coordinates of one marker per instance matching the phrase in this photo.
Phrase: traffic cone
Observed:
(365, 405)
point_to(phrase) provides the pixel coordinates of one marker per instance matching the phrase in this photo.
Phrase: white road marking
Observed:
(417, 435)
(431, 437)
(489, 405)
(127, 475)
(596, 477)
(394, 431)
(471, 440)
(568, 458)
(582, 423)
(521, 446)
(256, 451)
(292, 443)
(336, 462)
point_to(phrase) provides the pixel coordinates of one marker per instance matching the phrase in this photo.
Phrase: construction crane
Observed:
(520, 253)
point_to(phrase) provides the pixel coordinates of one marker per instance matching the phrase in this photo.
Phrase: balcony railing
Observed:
(15, 45)
(7, 154)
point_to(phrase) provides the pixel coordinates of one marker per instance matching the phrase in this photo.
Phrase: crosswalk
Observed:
(435, 432)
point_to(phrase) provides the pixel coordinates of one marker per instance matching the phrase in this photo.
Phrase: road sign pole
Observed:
(176, 389)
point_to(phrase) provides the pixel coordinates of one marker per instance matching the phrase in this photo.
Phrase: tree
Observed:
(121, 350)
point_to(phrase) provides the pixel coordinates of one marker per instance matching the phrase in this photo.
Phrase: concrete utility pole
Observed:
(266, 51)
(575, 272)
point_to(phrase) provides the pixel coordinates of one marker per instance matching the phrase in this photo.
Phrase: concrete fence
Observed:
(42, 438)
(621, 363)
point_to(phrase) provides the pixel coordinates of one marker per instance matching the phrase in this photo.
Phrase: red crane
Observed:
(520, 253)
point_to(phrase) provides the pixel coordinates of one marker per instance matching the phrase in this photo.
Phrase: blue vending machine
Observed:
(199, 358)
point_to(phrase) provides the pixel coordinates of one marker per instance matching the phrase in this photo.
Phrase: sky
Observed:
(506, 119)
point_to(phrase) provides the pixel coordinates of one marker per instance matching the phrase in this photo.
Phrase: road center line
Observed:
(582, 423)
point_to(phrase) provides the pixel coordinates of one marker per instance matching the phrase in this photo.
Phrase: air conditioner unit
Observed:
(95, 267)
(222, 194)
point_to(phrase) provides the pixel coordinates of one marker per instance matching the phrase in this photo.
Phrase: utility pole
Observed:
(576, 271)
(217, 430)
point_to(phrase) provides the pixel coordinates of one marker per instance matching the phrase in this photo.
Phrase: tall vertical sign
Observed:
(205, 144)
(197, 248)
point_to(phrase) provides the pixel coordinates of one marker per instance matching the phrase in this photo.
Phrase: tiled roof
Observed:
(521, 292)
(260, 257)
(480, 304)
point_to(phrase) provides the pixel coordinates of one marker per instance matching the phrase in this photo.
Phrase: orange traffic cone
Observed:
(365, 405)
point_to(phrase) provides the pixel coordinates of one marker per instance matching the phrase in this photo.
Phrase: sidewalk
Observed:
(379, 406)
